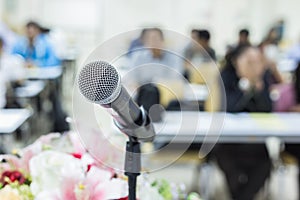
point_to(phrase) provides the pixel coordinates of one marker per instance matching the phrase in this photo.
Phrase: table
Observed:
(53, 77)
(12, 119)
(44, 73)
(196, 92)
(234, 128)
(30, 89)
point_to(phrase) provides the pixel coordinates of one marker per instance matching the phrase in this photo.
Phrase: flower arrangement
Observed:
(43, 171)
(57, 167)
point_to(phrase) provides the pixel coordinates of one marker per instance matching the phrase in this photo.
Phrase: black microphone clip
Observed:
(144, 132)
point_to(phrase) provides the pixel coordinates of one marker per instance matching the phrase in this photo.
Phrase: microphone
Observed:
(100, 83)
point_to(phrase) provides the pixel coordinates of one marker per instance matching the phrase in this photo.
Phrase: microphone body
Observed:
(105, 89)
(131, 119)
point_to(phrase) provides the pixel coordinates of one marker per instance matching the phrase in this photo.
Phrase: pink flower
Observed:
(77, 143)
(74, 188)
(60, 176)
(11, 162)
(96, 185)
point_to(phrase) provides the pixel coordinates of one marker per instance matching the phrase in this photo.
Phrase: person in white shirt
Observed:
(9, 37)
(154, 65)
(11, 69)
(155, 61)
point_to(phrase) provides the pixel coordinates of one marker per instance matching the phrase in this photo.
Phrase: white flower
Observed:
(48, 168)
(60, 176)
(8, 193)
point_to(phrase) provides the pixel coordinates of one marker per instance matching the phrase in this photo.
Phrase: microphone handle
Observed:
(128, 110)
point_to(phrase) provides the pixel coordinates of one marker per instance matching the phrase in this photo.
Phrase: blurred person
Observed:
(190, 47)
(296, 108)
(201, 50)
(246, 166)
(280, 28)
(294, 148)
(8, 36)
(244, 37)
(35, 47)
(204, 41)
(242, 40)
(269, 46)
(271, 37)
(294, 52)
(155, 53)
(270, 51)
(11, 69)
(297, 83)
(154, 63)
(195, 34)
(137, 43)
(246, 81)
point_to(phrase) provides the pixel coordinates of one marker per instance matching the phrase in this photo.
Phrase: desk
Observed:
(196, 92)
(234, 128)
(12, 119)
(44, 73)
(30, 89)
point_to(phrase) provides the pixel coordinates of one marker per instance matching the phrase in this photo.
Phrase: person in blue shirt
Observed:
(35, 47)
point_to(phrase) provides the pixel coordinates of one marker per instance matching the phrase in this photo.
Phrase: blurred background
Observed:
(236, 56)
(95, 21)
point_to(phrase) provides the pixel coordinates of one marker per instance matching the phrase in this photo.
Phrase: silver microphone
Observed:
(100, 83)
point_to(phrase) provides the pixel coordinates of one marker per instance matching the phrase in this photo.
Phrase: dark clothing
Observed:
(294, 149)
(297, 84)
(206, 55)
(239, 101)
(246, 166)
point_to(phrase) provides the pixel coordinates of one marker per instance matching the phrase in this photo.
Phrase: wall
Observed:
(93, 21)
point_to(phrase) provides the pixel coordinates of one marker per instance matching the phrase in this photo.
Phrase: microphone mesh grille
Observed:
(99, 82)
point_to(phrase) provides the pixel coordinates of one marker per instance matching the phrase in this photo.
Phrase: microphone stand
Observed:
(132, 165)
(144, 132)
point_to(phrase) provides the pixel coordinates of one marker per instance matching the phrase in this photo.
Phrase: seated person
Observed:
(151, 64)
(35, 47)
(294, 52)
(296, 108)
(8, 36)
(154, 52)
(198, 52)
(242, 40)
(244, 37)
(246, 166)
(11, 69)
(294, 149)
(201, 50)
(137, 43)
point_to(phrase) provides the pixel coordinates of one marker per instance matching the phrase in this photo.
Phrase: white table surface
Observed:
(30, 89)
(226, 127)
(196, 92)
(11, 119)
(44, 73)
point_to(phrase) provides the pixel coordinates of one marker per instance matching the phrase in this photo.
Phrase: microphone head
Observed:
(99, 82)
